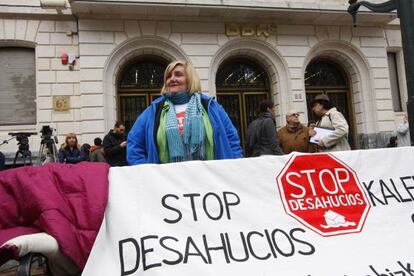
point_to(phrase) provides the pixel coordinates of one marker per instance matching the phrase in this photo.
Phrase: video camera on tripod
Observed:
(23, 146)
(47, 135)
(48, 150)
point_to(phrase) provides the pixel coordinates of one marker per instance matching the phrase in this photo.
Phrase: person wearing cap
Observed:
(294, 136)
(261, 133)
(332, 119)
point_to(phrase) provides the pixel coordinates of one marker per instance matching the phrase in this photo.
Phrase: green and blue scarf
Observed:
(189, 146)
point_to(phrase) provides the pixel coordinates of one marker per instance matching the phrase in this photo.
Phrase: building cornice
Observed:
(281, 12)
(34, 12)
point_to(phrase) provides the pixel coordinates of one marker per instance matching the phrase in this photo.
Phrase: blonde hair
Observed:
(70, 135)
(193, 81)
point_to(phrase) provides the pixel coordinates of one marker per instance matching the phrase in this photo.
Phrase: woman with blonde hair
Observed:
(70, 151)
(183, 124)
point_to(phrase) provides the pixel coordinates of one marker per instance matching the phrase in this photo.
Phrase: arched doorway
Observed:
(241, 85)
(324, 76)
(139, 84)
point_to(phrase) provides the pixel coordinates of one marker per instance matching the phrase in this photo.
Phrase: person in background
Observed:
(294, 136)
(85, 148)
(114, 144)
(261, 133)
(70, 152)
(2, 161)
(311, 125)
(97, 151)
(403, 133)
(182, 124)
(332, 119)
(393, 142)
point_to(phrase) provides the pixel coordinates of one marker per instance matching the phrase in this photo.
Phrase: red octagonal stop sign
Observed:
(324, 194)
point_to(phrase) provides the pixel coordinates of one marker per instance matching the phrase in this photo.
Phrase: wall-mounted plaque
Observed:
(61, 103)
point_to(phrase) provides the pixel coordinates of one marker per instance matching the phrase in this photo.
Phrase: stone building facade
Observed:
(280, 38)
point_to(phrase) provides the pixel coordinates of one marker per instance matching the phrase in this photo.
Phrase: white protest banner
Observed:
(345, 213)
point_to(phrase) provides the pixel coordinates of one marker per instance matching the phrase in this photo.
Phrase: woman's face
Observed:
(318, 109)
(71, 141)
(177, 80)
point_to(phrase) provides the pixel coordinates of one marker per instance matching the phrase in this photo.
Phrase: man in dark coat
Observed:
(261, 133)
(114, 145)
(2, 161)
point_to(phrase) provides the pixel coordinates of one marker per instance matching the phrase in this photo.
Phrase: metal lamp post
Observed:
(405, 11)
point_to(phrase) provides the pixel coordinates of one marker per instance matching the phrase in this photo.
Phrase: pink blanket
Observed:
(65, 201)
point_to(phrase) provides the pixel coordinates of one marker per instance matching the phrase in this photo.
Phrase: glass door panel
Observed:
(242, 108)
(130, 107)
(232, 105)
(252, 105)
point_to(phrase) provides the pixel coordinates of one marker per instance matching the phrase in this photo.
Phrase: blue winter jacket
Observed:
(142, 145)
(70, 156)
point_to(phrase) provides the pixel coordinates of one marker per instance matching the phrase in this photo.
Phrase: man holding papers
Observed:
(332, 128)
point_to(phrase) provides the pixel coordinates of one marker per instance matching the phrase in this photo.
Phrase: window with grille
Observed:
(17, 86)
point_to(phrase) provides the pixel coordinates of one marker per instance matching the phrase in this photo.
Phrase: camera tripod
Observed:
(23, 151)
(2, 157)
(48, 152)
(25, 154)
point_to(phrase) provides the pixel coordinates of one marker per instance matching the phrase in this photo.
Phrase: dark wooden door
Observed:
(242, 108)
(242, 85)
(339, 98)
(324, 76)
(140, 83)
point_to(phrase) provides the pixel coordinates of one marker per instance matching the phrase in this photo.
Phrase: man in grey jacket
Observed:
(261, 133)
(332, 119)
(403, 133)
